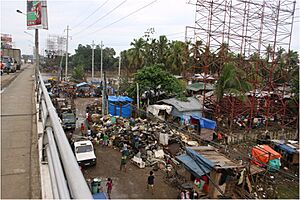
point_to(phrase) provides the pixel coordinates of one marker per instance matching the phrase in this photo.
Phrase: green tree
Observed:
(78, 73)
(176, 57)
(233, 82)
(137, 53)
(154, 78)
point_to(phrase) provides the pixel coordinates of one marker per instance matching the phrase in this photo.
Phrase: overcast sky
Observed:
(168, 17)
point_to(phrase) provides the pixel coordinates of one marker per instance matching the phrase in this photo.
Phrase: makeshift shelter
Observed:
(263, 154)
(120, 106)
(159, 111)
(203, 122)
(184, 109)
(204, 160)
(289, 153)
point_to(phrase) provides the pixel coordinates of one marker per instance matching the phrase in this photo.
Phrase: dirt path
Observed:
(130, 184)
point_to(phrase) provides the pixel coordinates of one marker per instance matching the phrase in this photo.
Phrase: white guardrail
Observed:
(67, 180)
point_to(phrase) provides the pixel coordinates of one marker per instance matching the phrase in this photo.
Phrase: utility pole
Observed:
(119, 75)
(138, 98)
(37, 57)
(101, 62)
(93, 55)
(104, 100)
(66, 69)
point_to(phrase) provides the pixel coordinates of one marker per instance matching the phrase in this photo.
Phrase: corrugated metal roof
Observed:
(192, 104)
(199, 86)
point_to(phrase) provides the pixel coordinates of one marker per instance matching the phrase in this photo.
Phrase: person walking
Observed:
(82, 129)
(109, 185)
(105, 140)
(150, 182)
(125, 153)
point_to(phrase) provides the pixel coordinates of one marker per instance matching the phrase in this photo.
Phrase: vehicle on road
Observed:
(9, 64)
(84, 153)
(15, 54)
(68, 121)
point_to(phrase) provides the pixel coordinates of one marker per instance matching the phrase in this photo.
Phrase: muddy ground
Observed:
(131, 184)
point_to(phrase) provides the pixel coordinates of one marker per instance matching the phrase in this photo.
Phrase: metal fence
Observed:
(67, 179)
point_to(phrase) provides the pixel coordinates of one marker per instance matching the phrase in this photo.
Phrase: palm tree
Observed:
(137, 53)
(233, 82)
(175, 58)
(162, 49)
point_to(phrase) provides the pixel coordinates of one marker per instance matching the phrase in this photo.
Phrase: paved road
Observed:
(19, 150)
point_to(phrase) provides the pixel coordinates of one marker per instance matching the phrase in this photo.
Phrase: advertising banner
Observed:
(37, 14)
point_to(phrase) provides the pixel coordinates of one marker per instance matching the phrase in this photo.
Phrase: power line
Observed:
(124, 17)
(97, 9)
(101, 17)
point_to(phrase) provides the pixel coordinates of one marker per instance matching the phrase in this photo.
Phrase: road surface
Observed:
(19, 151)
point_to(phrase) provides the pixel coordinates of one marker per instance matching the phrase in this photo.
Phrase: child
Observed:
(150, 182)
(109, 185)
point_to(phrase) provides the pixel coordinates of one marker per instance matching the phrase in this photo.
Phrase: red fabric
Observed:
(263, 153)
(109, 185)
(219, 136)
(82, 127)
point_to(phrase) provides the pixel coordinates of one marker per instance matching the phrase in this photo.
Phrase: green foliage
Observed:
(83, 57)
(78, 73)
(155, 78)
(233, 82)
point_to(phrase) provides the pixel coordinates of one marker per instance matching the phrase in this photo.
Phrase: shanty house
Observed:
(184, 109)
(205, 161)
(199, 87)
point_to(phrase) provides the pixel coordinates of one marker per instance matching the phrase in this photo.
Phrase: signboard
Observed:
(37, 14)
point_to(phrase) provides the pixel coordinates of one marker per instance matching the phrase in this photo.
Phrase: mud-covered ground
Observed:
(131, 184)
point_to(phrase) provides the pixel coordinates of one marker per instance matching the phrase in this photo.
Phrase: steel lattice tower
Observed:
(249, 29)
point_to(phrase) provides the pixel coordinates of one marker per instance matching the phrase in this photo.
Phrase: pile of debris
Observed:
(150, 143)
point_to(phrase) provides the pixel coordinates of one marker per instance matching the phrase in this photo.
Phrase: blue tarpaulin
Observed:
(100, 195)
(119, 99)
(81, 84)
(119, 106)
(191, 160)
(286, 148)
(204, 122)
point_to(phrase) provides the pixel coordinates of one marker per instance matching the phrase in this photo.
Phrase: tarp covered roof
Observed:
(199, 86)
(191, 160)
(204, 122)
(119, 99)
(81, 84)
(192, 104)
(264, 153)
(286, 148)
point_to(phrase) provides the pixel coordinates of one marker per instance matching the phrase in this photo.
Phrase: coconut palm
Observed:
(233, 82)
(175, 58)
(137, 53)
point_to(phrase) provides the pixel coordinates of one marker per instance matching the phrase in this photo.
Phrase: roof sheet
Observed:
(286, 148)
(82, 84)
(199, 86)
(119, 99)
(195, 163)
(192, 104)
(219, 160)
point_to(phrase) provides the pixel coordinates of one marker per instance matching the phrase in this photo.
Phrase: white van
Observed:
(84, 152)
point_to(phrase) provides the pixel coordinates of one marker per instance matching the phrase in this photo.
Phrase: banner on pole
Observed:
(37, 17)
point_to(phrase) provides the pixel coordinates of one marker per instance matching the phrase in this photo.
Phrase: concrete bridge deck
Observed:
(19, 147)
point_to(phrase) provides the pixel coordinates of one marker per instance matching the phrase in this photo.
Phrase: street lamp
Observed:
(19, 11)
(37, 57)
